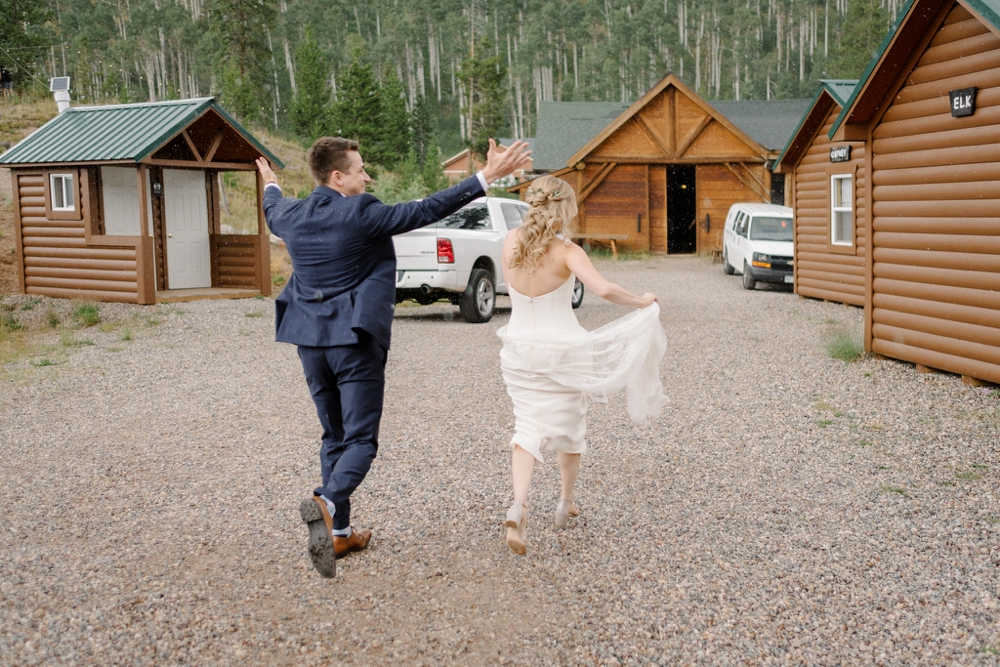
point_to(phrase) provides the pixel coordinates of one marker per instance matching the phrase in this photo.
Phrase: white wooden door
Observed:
(186, 217)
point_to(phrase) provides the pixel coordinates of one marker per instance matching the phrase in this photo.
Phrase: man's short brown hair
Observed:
(329, 154)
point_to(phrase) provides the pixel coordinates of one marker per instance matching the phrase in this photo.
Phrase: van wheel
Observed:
(577, 293)
(727, 268)
(748, 279)
(479, 299)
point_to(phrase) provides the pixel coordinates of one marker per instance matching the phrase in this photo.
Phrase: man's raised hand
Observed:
(502, 161)
(264, 167)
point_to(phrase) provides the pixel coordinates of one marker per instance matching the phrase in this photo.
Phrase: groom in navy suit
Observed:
(337, 308)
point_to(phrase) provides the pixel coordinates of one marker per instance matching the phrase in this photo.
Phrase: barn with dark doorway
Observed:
(129, 203)
(661, 174)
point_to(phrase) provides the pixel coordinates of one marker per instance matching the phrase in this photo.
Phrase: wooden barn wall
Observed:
(658, 208)
(821, 271)
(717, 188)
(57, 261)
(936, 198)
(613, 206)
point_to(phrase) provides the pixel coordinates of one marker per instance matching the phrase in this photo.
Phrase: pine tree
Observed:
(432, 173)
(311, 106)
(357, 113)
(241, 27)
(394, 139)
(486, 76)
(422, 130)
(863, 33)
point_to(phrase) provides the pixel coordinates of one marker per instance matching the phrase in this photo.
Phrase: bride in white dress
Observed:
(551, 364)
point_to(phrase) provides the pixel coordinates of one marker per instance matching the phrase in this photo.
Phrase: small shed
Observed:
(122, 203)
(463, 164)
(825, 186)
(661, 174)
(928, 110)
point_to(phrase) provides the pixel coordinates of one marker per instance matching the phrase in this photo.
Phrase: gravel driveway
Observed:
(785, 508)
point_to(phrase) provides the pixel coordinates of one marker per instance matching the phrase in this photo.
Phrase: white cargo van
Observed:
(758, 243)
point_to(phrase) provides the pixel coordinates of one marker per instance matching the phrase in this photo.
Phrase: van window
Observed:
(771, 229)
(741, 224)
(473, 216)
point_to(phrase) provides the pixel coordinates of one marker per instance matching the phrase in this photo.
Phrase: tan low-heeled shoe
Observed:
(517, 523)
(564, 510)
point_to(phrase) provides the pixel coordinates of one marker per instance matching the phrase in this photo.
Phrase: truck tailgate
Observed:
(416, 250)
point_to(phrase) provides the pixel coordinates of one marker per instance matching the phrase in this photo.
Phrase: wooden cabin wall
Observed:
(717, 188)
(57, 261)
(658, 208)
(614, 206)
(936, 196)
(236, 260)
(822, 271)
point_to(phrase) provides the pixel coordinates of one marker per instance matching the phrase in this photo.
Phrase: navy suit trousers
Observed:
(347, 384)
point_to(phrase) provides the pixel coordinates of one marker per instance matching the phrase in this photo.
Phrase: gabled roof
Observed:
(911, 23)
(564, 127)
(831, 92)
(120, 132)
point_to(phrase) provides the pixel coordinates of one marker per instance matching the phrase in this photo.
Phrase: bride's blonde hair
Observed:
(553, 207)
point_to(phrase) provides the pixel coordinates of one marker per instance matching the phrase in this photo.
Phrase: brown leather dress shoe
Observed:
(321, 543)
(359, 539)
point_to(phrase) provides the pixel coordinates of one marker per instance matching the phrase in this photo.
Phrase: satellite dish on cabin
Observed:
(59, 85)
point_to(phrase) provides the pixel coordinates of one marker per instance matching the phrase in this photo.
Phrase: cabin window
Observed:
(61, 189)
(841, 210)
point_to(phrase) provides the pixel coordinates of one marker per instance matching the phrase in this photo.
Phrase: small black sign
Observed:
(840, 154)
(963, 102)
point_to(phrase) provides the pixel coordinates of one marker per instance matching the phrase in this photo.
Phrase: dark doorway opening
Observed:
(682, 210)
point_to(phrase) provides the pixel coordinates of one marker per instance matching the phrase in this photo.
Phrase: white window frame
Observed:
(834, 209)
(67, 187)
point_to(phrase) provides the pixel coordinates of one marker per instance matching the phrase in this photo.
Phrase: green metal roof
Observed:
(563, 128)
(116, 132)
(838, 89)
(988, 10)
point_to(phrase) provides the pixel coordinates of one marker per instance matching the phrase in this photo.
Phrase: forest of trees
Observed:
(306, 68)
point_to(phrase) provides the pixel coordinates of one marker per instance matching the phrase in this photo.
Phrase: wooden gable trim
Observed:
(750, 181)
(214, 147)
(190, 144)
(520, 186)
(646, 130)
(667, 81)
(694, 134)
(201, 162)
(808, 132)
(597, 180)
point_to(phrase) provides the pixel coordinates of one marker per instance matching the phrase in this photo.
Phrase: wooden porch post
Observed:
(144, 274)
(264, 241)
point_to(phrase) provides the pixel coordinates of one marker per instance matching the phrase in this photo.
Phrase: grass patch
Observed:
(30, 304)
(896, 489)
(254, 313)
(11, 323)
(863, 443)
(126, 334)
(45, 361)
(67, 339)
(843, 345)
(823, 423)
(823, 406)
(992, 649)
(277, 279)
(53, 318)
(946, 482)
(88, 315)
(968, 475)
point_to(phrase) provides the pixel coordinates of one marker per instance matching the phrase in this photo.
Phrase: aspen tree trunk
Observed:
(778, 40)
(826, 30)
(290, 66)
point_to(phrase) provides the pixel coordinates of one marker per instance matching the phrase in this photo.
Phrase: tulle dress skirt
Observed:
(552, 366)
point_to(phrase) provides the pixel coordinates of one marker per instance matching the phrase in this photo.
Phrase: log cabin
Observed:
(122, 203)
(463, 164)
(825, 187)
(928, 111)
(660, 174)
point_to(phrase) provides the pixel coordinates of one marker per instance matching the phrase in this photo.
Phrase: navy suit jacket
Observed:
(344, 262)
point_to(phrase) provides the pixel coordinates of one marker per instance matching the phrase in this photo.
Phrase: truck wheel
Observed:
(577, 293)
(727, 268)
(479, 299)
(748, 279)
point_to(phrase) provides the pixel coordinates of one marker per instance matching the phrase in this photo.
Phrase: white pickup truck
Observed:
(459, 258)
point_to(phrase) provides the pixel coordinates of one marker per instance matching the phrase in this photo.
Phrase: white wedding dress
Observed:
(552, 365)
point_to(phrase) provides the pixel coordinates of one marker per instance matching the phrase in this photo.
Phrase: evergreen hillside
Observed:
(512, 54)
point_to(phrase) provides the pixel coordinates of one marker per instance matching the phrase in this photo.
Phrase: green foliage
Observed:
(88, 314)
(422, 130)
(10, 323)
(394, 138)
(843, 345)
(241, 28)
(405, 184)
(432, 173)
(863, 33)
(310, 108)
(357, 113)
(485, 75)
(53, 318)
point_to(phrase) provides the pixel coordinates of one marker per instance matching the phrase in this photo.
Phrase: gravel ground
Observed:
(785, 508)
